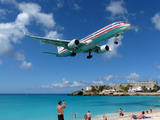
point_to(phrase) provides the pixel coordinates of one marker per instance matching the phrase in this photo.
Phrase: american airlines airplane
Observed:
(87, 44)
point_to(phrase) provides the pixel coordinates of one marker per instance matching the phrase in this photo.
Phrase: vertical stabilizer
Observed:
(59, 48)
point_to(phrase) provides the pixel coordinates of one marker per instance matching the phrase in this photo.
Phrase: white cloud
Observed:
(133, 77)
(142, 12)
(26, 66)
(11, 32)
(33, 10)
(1, 62)
(67, 84)
(9, 1)
(113, 46)
(60, 3)
(54, 35)
(108, 77)
(135, 28)
(158, 67)
(19, 55)
(2, 12)
(98, 82)
(117, 10)
(156, 20)
(76, 7)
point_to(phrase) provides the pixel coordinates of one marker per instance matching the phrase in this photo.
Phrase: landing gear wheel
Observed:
(73, 54)
(115, 42)
(89, 57)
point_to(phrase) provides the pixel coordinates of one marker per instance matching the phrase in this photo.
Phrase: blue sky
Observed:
(25, 69)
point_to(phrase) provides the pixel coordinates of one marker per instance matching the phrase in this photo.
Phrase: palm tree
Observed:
(155, 87)
(144, 88)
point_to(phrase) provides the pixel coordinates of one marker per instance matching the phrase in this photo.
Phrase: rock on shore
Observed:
(89, 93)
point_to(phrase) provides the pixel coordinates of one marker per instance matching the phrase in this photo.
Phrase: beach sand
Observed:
(127, 115)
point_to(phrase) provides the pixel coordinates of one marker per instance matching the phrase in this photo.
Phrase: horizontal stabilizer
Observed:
(51, 53)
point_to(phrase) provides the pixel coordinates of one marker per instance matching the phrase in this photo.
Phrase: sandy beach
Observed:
(127, 115)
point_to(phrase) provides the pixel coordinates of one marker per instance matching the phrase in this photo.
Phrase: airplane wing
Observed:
(54, 42)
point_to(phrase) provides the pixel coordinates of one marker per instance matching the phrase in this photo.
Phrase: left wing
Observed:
(55, 42)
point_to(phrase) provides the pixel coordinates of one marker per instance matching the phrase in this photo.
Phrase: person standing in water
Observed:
(89, 115)
(74, 115)
(60, 110)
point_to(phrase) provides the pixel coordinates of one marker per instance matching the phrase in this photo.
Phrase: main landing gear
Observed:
(89, 56)
(116, 38)
(73, 54)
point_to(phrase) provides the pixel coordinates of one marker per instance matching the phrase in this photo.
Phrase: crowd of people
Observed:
(104, 117)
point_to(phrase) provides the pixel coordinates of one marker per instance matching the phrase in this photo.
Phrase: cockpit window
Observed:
(121, 22)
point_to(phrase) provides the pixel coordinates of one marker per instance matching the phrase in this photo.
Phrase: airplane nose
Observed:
(128, 26)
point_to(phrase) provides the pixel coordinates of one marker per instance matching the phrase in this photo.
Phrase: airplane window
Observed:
(121, 22)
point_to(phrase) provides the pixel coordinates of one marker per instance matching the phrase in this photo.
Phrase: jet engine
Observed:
(74, 43)
(104, 49)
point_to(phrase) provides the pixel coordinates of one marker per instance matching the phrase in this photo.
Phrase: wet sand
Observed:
(127, 115)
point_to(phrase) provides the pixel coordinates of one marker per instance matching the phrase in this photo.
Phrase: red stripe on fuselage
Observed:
(104, 31)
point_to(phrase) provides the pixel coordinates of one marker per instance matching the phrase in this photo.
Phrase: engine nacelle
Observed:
(74, 43)
(104, 49)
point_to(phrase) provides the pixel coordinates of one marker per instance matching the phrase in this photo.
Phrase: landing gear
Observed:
(73, 54)
(89, 56)
(115, 42)
(116, 38)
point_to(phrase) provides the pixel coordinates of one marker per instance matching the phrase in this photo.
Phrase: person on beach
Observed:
(104, 117)
(150, 110)
(89, 115)
(74, 115)
(60, 110)
(141, 115)
(121, 112)
(147, 112)
(85, 117)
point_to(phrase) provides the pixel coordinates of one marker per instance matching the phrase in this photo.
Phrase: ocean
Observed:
(43, 106)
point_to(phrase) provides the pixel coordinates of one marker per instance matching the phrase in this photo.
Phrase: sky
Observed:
(25, 69)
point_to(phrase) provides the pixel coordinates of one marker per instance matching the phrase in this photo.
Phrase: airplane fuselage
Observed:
(93, 39)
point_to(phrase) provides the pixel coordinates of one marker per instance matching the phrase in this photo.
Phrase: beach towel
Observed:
(150, 117)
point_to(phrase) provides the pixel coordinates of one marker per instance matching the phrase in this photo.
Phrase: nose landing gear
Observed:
(116, 38)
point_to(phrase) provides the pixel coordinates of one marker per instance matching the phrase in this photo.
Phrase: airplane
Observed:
(87, 44)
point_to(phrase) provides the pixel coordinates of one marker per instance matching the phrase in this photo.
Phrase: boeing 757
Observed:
(87, 44)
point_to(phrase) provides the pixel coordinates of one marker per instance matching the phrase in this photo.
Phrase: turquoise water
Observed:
(43, 107)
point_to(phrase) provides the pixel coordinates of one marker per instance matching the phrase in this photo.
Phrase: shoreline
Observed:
(127, 115)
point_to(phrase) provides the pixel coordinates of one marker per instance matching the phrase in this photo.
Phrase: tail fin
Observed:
(60, 49)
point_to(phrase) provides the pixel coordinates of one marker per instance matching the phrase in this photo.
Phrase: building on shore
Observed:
(88, 88)
(148, 84)
(137, 85)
